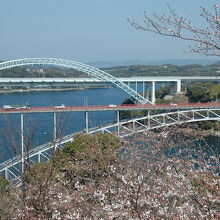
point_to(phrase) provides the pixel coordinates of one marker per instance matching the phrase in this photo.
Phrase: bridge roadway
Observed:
(123, 79)
(95, 108)
(124, 83)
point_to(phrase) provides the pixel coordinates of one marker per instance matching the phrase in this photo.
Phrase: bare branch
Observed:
(205, 41)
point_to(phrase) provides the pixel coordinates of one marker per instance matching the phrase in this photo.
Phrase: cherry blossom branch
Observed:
(206, 40)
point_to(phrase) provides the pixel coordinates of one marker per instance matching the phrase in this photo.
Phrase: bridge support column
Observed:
(178, 115)
(22, 142)
(87, 122)
(118, 121)
(148, 118)
(6, 174)
(153, 92)
(147, 92)
(38, 156)
(193, 114)
(178, 86)
(143, 89)
(136, 86)
(207, 113)
(54, 129)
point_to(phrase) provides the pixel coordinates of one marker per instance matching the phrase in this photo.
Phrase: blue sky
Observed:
(89, 30)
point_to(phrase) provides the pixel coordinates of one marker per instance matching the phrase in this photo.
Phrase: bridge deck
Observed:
(123, 79)
(182, 106)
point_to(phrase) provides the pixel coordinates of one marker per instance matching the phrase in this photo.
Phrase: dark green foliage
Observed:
(4, 184)
(206, 125)
(128, 101)
(88, 156)
(118, 71)
(180, 98)
(216, 125)
(132, 114)
(83, 142)
(163, 70)
(47, 73)
(203, 92)
(38, 172)
(162, 92)
(162, 101)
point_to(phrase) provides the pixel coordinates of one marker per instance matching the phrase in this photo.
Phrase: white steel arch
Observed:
(95, 72)
(129, 127)
(11, 169)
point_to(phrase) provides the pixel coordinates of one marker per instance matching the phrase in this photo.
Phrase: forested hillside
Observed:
(118, 71)
(165, 70)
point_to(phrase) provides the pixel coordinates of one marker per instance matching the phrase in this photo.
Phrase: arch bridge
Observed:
(12, 168)
(92, 71)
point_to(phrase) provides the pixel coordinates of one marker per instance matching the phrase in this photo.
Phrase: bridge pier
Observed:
(136, 86)
(22, 142)
(55, 130)
(6, 174)
(87, 122)
(147, 91)
(148, 118)
(153, 92)
(38, 156)
(54, 127)
(118, 121)
(178, 86)
(143, 89)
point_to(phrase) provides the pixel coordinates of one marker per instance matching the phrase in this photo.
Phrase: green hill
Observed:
(117, 71)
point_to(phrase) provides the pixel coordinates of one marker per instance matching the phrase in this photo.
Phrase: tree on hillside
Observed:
(203, 92)
(205, 40)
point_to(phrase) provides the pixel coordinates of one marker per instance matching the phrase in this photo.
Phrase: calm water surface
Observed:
(40, 126)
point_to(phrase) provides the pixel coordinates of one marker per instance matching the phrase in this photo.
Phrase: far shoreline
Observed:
(49, 89)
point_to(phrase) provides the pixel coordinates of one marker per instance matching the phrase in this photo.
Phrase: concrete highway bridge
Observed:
(97, 76)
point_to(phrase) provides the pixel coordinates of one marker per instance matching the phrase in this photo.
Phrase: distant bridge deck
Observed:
(95, 108)
(123, 79)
